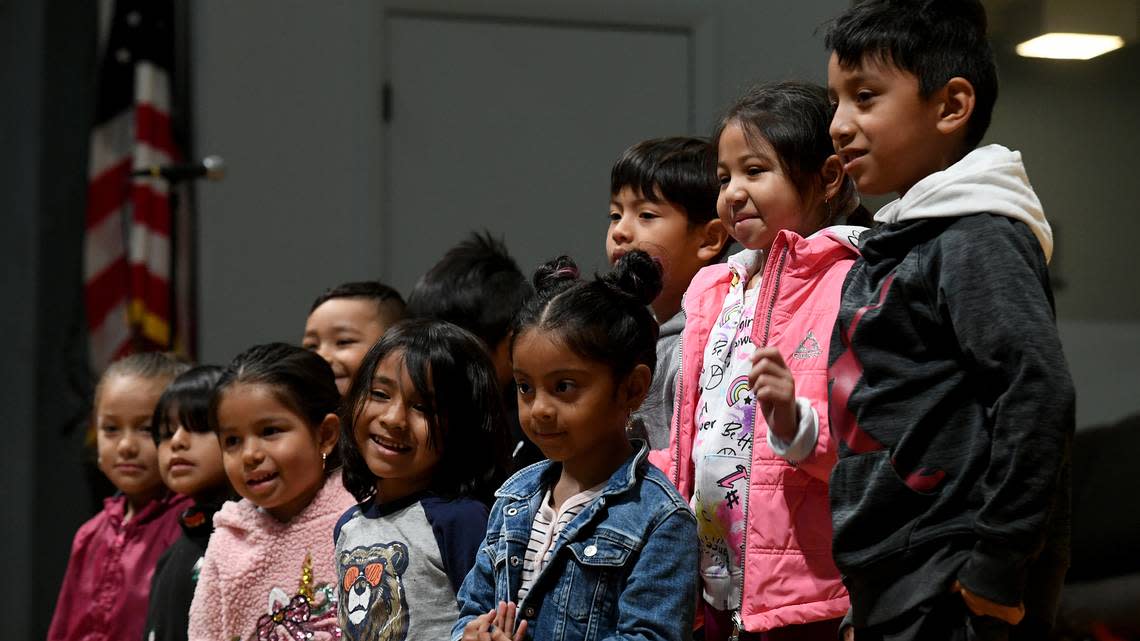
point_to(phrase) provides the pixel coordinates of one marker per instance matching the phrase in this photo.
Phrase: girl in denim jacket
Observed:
(593, 543)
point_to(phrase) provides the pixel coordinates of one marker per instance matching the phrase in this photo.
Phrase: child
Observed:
(593, 543)
(750, 445)
(346, 321)
(479, 287)
(190, 461)
(663, 202)
(268, 570)
(951, 398)
(104, 592)
(424, 445)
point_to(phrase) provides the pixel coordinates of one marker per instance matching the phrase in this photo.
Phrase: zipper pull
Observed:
(737, 625)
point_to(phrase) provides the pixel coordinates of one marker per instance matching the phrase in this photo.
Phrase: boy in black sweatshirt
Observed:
(950, 395)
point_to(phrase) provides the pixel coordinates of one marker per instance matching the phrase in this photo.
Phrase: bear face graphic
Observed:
(372, 604)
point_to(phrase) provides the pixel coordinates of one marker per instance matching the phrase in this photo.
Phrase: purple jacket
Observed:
(107, 584)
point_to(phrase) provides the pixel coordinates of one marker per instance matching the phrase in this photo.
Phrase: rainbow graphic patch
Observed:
(737, 390)
(732, 314)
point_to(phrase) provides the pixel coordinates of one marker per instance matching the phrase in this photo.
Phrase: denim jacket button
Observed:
(591, 550)
(512, 511)
(515, 561)
(529, 613)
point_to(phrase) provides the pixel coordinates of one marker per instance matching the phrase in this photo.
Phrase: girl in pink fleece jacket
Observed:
(750, 446)
(268, 571)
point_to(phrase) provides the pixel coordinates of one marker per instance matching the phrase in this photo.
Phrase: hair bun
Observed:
(555, 274)
(637, 274)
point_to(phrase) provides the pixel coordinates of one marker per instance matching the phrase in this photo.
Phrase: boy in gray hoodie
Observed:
(663, 201)
(950, 395)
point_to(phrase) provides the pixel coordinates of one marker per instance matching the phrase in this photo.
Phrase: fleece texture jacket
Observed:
(952, 401)
(262, 577)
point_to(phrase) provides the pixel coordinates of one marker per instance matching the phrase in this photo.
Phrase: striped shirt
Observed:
(544, 531)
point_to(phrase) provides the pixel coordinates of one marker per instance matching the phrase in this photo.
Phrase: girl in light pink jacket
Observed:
(750, 446)
(268, 572)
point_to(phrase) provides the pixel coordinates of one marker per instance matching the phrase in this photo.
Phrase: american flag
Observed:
(128, 248)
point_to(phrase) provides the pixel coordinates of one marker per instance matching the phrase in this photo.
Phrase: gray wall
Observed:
(295, 111)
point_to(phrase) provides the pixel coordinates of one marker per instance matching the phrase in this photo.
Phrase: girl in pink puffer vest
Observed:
(750, 446)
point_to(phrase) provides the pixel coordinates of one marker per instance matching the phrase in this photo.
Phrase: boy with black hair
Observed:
(663, 196)
(478, 286)
(950, 395)
(345, 321)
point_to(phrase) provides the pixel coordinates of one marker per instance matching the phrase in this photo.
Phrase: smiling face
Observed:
(885, 132)
(661, 230)
(341, 331)
(190, 462)
(393, 432)
(272, 456)
(124, 440)
(757, 197)
(569, 406)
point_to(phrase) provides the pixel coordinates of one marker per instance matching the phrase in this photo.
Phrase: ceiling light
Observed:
(1069, 46)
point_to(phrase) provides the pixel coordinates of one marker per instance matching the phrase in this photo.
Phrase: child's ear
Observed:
(636, 386)
(832, 176)
(328, 432)
(713, 237)
(957, 100)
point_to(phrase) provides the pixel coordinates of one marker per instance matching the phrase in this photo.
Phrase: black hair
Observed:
(935, 40)
(162, 366)
(794, 119)
(672, 169)
(188, 395)
(298, 378)
(453, 374)
(476, 285)
(389, 304)
(605, 319)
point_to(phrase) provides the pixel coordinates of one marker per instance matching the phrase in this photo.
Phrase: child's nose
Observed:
(735, 195)
(542, 408)
(180, 439)
(620, 231)
(251, 453)
(841, 128)
(128, 444)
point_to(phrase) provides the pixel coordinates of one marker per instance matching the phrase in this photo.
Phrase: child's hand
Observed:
(495, 625)
(775, 391)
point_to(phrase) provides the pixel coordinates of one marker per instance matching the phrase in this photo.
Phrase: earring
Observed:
(324, 456)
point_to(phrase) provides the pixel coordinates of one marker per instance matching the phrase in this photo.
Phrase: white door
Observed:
(513, 127)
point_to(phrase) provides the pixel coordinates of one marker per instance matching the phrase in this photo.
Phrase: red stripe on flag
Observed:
(104, 291)
(107, 192)
(151, 208)
(152, 289)
(153, 128)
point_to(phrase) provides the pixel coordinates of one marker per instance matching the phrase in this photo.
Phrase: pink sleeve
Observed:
(70, 591)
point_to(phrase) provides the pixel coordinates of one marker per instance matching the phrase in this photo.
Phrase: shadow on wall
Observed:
(1103, 584)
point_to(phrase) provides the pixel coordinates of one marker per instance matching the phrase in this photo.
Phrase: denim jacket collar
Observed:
(534, 478)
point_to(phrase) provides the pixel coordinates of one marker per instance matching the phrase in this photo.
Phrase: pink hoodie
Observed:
(107, 584)
(789, 576)
(254, 569)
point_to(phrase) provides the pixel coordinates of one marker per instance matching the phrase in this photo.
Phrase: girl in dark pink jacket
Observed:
(750, 446)
(104, 592)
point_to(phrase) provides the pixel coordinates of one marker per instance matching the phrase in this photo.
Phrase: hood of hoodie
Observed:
(249, 521)
(989, 179)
